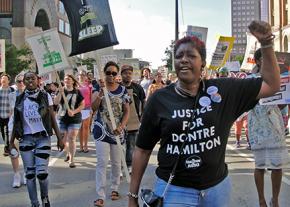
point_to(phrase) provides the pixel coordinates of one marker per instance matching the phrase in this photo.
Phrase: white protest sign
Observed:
(281, 97)
(199, 32)
(252, 45)
(2, 55)
(46, 78)
(107, 58)
(233, 66)
(48, 51)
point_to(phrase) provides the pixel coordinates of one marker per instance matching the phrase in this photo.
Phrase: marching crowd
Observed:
(190, 117)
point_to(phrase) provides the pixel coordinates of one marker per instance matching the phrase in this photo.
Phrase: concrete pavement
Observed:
(76, 187)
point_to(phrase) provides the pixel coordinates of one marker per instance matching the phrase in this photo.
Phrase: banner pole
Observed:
(99, 75)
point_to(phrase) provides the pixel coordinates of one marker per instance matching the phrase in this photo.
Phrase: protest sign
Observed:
(2, 55)
(107, 58)
(281, 97)
(199, 32)
(48, 51)
(252, 45)
(233, 66)
(91, 24)
(222, 52)
(283, 59)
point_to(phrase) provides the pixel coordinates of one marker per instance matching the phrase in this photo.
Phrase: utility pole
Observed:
(176, 20)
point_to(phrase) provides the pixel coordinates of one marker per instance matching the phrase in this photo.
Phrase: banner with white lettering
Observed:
(92, 26)
(48, 51)
(222, 52)
(2, 55)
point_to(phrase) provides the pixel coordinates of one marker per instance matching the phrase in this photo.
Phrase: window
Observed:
(61, 25)
(67, 29)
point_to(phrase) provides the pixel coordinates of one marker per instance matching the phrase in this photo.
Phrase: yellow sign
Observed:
(222, 52)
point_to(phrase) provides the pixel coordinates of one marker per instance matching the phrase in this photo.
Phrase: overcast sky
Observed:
(147, 26)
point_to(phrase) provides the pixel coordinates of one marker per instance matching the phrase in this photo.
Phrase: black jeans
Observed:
(130, 145)
(4, 131)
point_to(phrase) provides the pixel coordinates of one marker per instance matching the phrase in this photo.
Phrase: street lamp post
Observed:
(176, 20)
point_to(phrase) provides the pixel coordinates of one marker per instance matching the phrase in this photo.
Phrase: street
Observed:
(76, 187)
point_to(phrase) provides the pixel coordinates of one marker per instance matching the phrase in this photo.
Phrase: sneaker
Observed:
(248, 146)
(24, 179)
(45, 202)
(72, 165)
(238, 144)
(16, 180)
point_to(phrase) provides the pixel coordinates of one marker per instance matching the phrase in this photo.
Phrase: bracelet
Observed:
(132, 195)
(267, 46)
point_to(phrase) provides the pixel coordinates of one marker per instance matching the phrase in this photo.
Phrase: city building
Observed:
(279, 20)
(21, 18)
(243, 12)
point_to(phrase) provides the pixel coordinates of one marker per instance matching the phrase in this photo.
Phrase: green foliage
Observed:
(168, 57)
(89, 62)
(18, 60)
(239, 58)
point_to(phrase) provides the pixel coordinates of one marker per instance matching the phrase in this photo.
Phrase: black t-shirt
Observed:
(138, 95)
(166, 117)
(74, 99)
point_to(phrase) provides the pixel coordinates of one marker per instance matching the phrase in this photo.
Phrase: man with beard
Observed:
(137, 95)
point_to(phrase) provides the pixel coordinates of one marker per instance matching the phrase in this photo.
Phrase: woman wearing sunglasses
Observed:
(105, 135)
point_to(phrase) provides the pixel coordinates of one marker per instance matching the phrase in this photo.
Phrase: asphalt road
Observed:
(76, 187)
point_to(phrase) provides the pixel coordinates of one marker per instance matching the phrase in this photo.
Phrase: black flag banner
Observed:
(92, 26)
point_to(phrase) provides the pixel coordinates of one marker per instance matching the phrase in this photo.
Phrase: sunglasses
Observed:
(111, 73)
(19, 81)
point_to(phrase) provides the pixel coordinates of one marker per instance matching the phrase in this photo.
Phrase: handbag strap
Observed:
(172, 174)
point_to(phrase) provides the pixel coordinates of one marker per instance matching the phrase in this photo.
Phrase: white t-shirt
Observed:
(32, 119)
(145, 83)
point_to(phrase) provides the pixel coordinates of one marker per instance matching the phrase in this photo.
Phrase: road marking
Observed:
(284, 179)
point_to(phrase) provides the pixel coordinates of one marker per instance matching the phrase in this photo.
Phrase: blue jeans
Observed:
(218, 195)
(35, 152)
(130, 138)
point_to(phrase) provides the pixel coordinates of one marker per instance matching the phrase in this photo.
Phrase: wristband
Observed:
(132, 195)
(267, 46)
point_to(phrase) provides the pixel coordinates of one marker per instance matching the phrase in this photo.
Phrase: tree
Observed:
(89, 62)
(168, 57)
(239, 58)
(18, 60)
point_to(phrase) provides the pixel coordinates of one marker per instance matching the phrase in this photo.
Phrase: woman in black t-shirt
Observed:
(70, 119)
(198, 113)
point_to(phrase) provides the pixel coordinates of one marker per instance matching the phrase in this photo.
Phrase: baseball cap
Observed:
(126, 67)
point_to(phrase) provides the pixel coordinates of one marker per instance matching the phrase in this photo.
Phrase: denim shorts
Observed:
(218, 195)
(66, 127)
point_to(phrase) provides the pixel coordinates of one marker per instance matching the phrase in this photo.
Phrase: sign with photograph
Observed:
(2, 55)
(222, 52)
(48, 51)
